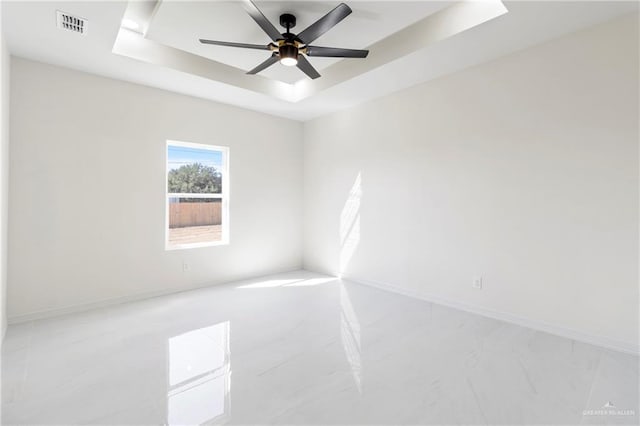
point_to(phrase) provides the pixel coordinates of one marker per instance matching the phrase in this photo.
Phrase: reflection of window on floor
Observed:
(199, 376)
(350, 333)
(197, 195)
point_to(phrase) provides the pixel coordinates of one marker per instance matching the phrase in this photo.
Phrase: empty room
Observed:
(255, 212)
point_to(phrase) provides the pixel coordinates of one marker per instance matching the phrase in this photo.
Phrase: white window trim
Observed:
(224, 195)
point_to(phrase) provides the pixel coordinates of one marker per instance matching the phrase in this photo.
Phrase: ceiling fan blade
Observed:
(325, 23)
(335, 52)
(230, 44)
(261, 20)
(307, 68)
(266, 64)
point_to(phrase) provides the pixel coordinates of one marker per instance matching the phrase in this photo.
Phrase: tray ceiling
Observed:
(410, 43)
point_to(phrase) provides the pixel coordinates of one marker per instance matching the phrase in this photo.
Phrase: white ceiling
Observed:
(30, 30)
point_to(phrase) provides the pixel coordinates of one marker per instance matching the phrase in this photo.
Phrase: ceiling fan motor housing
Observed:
(288, 21)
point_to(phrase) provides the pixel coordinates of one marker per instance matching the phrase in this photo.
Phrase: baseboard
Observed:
(83, 307)
(569, 333)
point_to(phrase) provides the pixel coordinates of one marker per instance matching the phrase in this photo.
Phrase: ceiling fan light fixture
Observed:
(289, 62)
(288, 55)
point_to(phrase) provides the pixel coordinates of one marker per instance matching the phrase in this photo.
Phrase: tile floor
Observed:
(301, 348)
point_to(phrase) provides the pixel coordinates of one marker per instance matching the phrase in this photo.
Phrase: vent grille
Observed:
(72, 23)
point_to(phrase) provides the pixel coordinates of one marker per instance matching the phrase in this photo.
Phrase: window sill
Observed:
(196, 245)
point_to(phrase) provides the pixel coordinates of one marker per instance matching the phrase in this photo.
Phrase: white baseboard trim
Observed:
(83, 307)
(561, 331)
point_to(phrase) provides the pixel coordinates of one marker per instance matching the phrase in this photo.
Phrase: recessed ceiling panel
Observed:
(181, 24)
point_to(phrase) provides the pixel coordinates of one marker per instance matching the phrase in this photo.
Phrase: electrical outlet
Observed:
(185, 267)
(477, 283)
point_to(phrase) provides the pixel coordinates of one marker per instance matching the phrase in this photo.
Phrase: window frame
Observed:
(223, 196)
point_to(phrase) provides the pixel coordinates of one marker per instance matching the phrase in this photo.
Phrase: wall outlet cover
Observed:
(477, 283)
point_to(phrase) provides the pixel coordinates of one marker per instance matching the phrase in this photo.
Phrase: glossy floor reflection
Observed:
(301, 348)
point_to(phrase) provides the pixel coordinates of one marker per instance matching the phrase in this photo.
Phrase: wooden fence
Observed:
(195, 214)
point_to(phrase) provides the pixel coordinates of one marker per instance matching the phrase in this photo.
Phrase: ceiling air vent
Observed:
(72, 23)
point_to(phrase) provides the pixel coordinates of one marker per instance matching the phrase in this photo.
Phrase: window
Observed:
(197, 195)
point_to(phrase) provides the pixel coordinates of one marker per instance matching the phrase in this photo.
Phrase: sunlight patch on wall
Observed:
(350, 225)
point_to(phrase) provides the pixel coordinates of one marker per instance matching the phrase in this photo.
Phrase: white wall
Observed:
(87, 190)
(4, 176)
(523, 171)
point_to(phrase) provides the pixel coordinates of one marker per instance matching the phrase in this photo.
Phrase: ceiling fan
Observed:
(291, 49)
